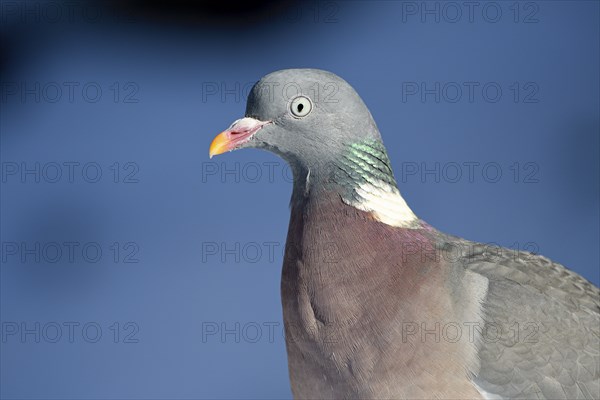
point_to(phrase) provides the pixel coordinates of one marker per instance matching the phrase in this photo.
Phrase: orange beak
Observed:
(219, 144)
(240, 132)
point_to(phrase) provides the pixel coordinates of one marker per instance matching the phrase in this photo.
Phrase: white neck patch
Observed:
(385, 203)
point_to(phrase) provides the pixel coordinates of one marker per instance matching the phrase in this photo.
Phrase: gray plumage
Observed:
(377, 303)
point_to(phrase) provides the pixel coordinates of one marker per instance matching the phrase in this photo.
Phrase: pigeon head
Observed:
(317, 122)
(306, 116)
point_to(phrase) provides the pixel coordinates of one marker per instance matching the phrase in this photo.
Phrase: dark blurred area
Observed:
(219, 18)
(225, 15)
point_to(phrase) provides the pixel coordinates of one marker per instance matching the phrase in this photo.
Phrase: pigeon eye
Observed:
(301, 106)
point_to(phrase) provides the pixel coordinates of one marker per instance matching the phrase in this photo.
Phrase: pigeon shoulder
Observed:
(523, 270)
(541, 332)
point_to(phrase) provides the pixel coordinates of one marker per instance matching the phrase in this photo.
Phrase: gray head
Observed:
(322, 128)
(306, 116)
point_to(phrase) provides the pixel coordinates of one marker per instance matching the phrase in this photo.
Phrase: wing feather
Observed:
(549, 320)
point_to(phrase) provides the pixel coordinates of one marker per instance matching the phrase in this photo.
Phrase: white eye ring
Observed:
(301, 106)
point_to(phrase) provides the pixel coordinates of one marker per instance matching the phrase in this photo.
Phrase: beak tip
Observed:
(218, 145)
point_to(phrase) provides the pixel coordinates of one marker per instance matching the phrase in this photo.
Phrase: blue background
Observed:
(183, 211)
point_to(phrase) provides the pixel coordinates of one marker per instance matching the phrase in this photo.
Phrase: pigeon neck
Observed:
(362, 176)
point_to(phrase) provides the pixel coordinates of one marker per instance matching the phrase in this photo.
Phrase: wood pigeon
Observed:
(379, 304)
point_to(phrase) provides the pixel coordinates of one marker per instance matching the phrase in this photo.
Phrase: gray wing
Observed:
(541, 338)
